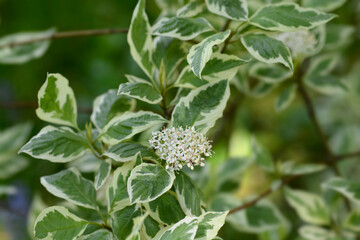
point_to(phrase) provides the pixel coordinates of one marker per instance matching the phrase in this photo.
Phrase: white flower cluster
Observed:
(299, 42)
(180, 147)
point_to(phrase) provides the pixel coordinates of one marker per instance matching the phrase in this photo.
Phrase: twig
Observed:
(70, 34)
(347, 155)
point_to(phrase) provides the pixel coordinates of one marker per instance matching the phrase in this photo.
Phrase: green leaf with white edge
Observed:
(323, 64)
(191, 9)
(209, 224)
(182, 92)
(187, 79)
(126, 151)
(108, 105)
(181, 28)
(23, 53)
(310, 207)
(326, 84)
(138, 222)
(338, 36)
(13, 138)
(71, 186)
(222, 66)
(316, 233)
(291, 168)
(102, 174)
(350, 189)
(165, 209)
(139, 39)
(127, 125)
(261, 89)
(189, 196)
(57, 223)
(267, 50)
(286, 96)
(101, 234)
(184, 229)
(262, 156)
(259, 218)
(352, 221)
(201, 53)
(288, 17)
(232, 9)
(150, 228)
(57, 102)
(11, 165)
(142, 91)
(202, 106)
(117, 194)
(323, 5)
(56, 145)
(270, 73)
(148, 181)
(123, 221)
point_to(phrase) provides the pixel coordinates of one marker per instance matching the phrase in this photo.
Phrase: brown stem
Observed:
(347, 155)
(70, 34)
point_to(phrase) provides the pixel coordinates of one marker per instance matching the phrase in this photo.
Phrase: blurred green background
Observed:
(95, 64)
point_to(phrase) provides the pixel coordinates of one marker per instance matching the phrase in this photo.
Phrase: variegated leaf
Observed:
(191, 9)
(58, 223)
(287, 17)
(56, 145)
(123, 222)
(57, 102)
(101, 234)
(285, 98)
(209, 223)
(202, 106)
(323, 5)
(127, 125)
(181, 28)
(142, 91)
(102, 174)
(184, 229)
(109, 105)
(151, 228)
(71, 186)
(262, 156)
(231, 9)
(326, 84)
(270, 73)
(201, 53)
(126, 151)
(316, 233)
(310, 207)
(268, 50)
(139, 39)
(350, 189)
(291, 168)
(148, 181)
(352, 221)
(187, 79)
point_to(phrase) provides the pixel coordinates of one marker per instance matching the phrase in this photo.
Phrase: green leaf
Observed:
(209, 225)
(108, 105)
(142, 91)
(58, 223)
(316, 233)
(184, 229)
(147, 182)
(222, 66)
(189, 196)
(201, 53)
(287, 95)
(165, 209)
(123, 221)
(322, 65)
(7, 190)
(117, 194)
(151, 228)
(139, 39)
(338, 36)
(101, 234)
(350, 189)
(191, 9)
(126, 151)
(102, 174)
(262, 156)
(352, 221)
(23, 53)
(231, 9)
(202, 106)
(181, 28)
(310, 207)
(323, 5)
(270, 73)
(11, 165)
(267, 50)
(326, 84)
(56, 145)
(138, 222)
(13, 138)
(71, 186)
(187, 79)
(288, 17)
(127, 125)
(261, 89)
(291, 168)
(57, 102)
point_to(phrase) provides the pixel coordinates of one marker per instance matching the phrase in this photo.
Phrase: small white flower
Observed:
(181, 147)
(300, 43)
